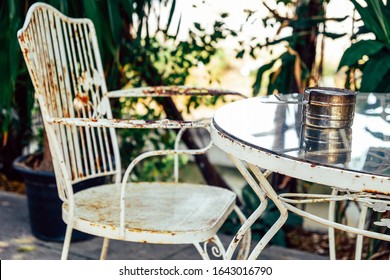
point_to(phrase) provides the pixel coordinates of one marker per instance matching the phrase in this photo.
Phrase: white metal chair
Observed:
(65, 67)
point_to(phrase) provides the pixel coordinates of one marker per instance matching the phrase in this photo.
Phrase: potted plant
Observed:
(44, 205)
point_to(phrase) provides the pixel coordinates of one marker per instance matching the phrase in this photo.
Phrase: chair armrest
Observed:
(121, 123)
(167, 91)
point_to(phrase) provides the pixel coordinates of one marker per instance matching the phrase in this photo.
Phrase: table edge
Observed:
(308, 171)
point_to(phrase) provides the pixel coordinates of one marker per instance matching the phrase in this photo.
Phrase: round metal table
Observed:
(263, 135)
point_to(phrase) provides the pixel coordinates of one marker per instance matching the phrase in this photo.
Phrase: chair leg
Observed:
(103, 254)
(66, 245)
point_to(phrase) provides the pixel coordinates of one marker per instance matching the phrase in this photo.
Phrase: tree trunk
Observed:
(306, 48)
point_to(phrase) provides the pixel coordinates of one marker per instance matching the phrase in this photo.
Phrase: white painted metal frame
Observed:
(352, 186)
(64, 64)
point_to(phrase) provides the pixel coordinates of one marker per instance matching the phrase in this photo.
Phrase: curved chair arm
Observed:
(167, 91)
(144, 156)
(122, 123)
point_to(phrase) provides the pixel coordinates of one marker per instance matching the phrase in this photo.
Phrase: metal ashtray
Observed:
(326, 145)
(329, 107)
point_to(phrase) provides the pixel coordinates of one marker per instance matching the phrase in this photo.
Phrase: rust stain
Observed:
(174, 90)
(152, 231)
(210, 240)
(83, 98)
(97, 161)
(376, 192)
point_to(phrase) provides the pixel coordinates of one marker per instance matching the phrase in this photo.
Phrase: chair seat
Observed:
(155, 212)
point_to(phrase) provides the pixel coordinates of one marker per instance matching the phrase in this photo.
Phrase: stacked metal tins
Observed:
(326, 130)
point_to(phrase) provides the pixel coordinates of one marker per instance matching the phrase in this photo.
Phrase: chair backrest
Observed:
(64, 64)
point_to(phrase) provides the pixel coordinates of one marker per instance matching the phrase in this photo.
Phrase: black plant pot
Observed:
(44, 205)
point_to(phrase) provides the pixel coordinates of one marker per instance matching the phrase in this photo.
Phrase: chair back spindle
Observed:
(63, 60)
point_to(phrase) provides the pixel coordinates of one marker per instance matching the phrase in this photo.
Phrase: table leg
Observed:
(263, 190)
(331, 235)
(268, 189)
(245, 229)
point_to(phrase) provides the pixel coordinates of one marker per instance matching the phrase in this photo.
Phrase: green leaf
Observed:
(92, 11)
(361, 30)
(384, 85)
(333, 35)
(240, 54)
(294, 220)
(224, 15)
(259, 77)
(374, 71)
(381, 15)
(115, 24)
(356, 51)
(370, 19)
(304, 23)
(282, 80)
(198, 26)
(10, 55)
(284, 39)
(279, 239)
(61, 5)
(250, 198)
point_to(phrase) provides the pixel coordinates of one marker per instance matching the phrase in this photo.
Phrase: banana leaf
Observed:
(375, 70)
(356, 52)
(10, 56)
(376, 18)
(259, 77)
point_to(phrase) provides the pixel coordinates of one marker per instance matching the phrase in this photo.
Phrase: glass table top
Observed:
(276, 124)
